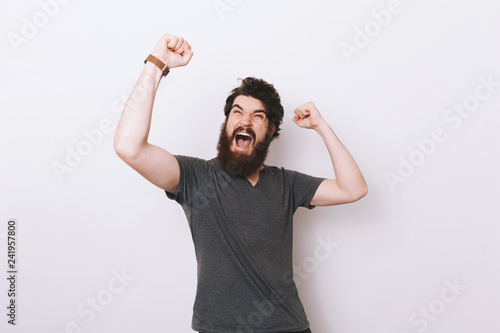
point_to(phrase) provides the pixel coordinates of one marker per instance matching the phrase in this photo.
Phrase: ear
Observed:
(270, 130)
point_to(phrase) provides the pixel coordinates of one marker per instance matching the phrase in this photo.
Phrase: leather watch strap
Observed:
(154, 60)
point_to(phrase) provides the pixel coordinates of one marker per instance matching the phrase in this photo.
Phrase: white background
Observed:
(397, 246)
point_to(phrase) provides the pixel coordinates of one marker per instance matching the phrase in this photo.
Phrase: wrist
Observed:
(323, 129)
(153, 72)
(158, 63)
(322, 126)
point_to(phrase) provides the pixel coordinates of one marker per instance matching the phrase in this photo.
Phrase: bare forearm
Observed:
(133, 129)
(348, 176)
(349, 184)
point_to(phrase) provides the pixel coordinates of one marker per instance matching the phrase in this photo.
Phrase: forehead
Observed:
(248, 103)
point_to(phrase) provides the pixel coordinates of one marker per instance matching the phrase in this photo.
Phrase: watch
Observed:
(154, 60)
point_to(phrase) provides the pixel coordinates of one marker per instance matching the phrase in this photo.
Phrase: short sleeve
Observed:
(189, 179)
(303, 188)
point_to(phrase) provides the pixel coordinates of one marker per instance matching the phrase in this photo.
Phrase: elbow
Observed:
(119, 147)
(124, 150)
(363, 192)
(359, 193)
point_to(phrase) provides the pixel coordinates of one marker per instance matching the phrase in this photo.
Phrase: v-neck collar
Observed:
(261, 173)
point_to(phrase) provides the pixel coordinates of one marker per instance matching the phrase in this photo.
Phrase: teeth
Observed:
(243, 133)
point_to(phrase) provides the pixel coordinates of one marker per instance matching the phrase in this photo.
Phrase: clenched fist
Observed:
(174, 51)
(308, 116)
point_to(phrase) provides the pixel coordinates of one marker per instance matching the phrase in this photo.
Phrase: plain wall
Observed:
(402, 83)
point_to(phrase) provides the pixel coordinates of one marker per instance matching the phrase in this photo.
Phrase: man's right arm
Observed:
(131, 138)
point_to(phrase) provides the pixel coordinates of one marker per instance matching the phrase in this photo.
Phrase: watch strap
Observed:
(158, 63)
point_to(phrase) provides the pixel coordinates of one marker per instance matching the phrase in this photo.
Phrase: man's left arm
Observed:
(349, 185)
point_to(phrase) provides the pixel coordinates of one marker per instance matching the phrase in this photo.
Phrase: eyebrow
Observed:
(256, 111)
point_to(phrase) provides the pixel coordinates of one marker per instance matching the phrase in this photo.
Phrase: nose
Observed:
(246, 120)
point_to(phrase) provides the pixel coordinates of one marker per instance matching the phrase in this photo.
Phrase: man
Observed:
(239, 210)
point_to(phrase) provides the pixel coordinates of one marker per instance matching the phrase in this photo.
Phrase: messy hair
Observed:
(264, 92)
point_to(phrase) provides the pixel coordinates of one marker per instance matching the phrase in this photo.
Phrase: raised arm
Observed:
(131, 138)
(349, 184)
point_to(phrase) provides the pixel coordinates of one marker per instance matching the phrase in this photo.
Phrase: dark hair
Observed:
(264, 92)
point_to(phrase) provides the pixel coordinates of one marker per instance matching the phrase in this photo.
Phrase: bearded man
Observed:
(240, 211)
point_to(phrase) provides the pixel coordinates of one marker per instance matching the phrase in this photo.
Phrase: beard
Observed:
(238, 164)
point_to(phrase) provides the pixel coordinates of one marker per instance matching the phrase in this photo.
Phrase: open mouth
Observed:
(243, 140)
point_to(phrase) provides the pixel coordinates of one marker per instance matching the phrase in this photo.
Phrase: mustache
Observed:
(236, 164)
(241, 128)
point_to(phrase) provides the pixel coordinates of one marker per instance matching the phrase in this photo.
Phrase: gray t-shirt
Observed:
(242, 236)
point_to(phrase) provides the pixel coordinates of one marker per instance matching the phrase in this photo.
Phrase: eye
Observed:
(259, 116)
(236, 111)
